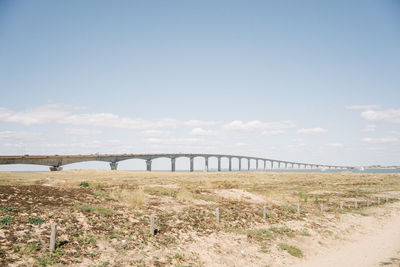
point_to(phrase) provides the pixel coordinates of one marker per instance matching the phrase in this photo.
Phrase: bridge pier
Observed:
(113, 166)
(272, 164)
(230, 164)
(219, 164)
(285, 165)
(148, 165)
(248, 164)
(265, 165)
(279, 164)
(191, 164)
(55, 168)
(240, 164)
(206, 162)
(256, 164)
(172, 164)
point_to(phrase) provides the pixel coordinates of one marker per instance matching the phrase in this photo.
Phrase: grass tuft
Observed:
(5, 220)
(184, 195)
(136, 198)
(292, 250)
(84, 184)
(35, 220)
(94, 209)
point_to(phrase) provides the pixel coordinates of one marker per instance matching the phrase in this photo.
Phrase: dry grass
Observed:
(135, 198)
(184, 195)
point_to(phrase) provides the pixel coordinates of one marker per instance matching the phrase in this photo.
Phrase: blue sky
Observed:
(312, 81)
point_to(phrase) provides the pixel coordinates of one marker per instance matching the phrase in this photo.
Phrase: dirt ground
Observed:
(103, 218)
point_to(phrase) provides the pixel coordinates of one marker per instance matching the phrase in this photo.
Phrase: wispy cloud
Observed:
(201, 132)
(200, 123)
(381, 140)
(115, 121)
(316, 130)
(178, 141)
(239, 144)
(155, 133)
(19, 136)
(336, 145)
(369, 128)
(39, 115)
(67, 115)
(255, 125)
(81, 132)
(363, 107)
(389, 115)
(272, 132)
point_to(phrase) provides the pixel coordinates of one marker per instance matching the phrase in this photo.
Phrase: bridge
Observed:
(55, 162)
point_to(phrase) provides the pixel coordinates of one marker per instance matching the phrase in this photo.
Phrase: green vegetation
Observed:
(84, 184)
(94, 209)
(29, 249)
(86, 240)
(391, 262)
(47, 259)
(305, 233)
(6, 208)
(303, 197)
(161, 191)
(292, 250)
(178, 256)
(5, 220)
(282, 230)
(259, 234)
(35, 220)
(206, 197)
(102, 195)
(264, 248)
(104, 264)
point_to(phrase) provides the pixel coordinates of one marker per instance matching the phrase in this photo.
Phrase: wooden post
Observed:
(298, 208)
(355, 203)
(217, 215)
(152, 228)
(341, 205)
(53, 237)
(265, 212)
(321, 207)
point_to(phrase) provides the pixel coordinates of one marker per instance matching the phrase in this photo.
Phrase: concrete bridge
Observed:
(55, 162)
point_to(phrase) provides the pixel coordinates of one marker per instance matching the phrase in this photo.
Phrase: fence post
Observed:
(152, 228)
(355, 203)
(53, 236)
(265, 212)
(217, 215)
(341, 205)
(298, 208)
(321, 206)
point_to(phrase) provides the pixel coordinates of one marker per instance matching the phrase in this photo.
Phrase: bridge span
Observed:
(55, 162)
